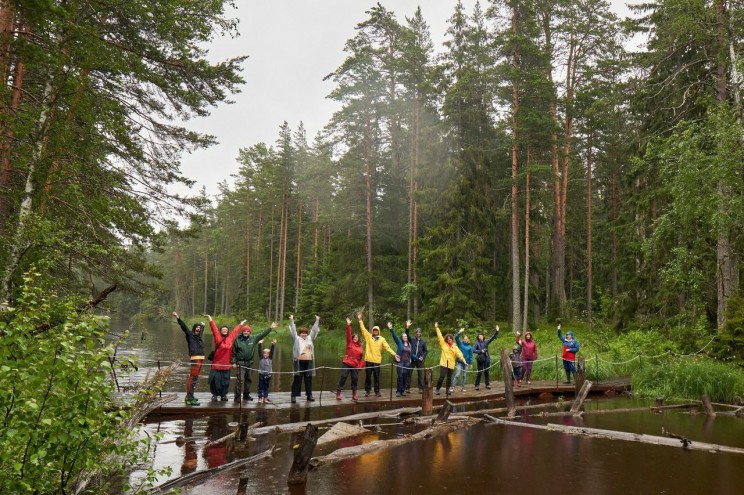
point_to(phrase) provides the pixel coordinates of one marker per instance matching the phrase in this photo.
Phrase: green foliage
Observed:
(689, 378)
(59, 418)
(731, 344)
(632, 344)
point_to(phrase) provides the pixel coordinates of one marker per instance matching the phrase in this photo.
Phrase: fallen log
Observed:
(499, 410)
(303, 452)
(622, 435)
(340, 431)
(358, 450)
(393, 413)
(200, 477)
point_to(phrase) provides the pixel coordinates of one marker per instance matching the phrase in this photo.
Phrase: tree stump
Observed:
(427, 396)
(508, 388)
(303, 452)
(581, 396)
(580, 374)
(444, 412)
(708, 406)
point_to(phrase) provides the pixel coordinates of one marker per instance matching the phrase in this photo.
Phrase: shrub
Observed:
(59, 418)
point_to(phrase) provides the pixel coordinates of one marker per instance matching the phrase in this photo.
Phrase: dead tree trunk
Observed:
(444, 412)
(580, 374)
(427, 396)
(508, 387)
(581, 397)
(303, 452)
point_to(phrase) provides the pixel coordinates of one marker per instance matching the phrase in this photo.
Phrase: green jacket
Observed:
(244, 347)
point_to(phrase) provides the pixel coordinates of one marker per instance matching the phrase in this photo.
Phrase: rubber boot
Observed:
(338, 395)
(354, 395)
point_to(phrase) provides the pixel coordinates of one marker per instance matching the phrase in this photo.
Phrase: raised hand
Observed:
(348, 321)
(273, 342)
(243, 322)
(210, 318)
(461, 330)
(359, 315)
(408, 323)
(436, 324)
(317, 318)
(274, 325)
(390, 325)
(291, 317)
(174, 314)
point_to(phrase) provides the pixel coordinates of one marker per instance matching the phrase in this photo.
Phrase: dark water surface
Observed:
(483, 459)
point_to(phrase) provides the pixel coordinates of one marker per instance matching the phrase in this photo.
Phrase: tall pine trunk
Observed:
(526, 311)
(298, 281)
(516, 317)
(368, 246)
(247, 260)
(589, 164)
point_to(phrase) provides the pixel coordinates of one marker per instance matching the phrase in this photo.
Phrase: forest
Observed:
(529, 167)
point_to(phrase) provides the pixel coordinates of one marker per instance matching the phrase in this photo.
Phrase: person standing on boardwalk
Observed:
(373, 356)
(352, 362)
(264, 370)
(303, 357)
(404, 364)
(450, 354)
(418, 356)
(529, 354)
(516, 363)
(483, 357)
(467, 352)
(570, 348)
(219, 375)
(196, 356)
(243, 350)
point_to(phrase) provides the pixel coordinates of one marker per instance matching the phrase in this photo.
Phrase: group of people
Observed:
(236, 349)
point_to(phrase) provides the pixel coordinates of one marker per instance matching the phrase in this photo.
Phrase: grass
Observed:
(690, 378)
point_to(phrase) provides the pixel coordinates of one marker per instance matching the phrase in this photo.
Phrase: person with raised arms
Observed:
(570, 348)
(418, 356)
(219, 375)
(244, 349)
(303, 356)
(483, 357)
(450, 354)
(404, 365)
(195, 343)
(352, 362)
(375, 343)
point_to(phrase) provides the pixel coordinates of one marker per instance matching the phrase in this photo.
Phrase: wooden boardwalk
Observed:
(327, 399)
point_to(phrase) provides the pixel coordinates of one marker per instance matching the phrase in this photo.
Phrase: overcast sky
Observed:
(292, 45)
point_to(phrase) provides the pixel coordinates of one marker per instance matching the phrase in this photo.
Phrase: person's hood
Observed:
(569, 333)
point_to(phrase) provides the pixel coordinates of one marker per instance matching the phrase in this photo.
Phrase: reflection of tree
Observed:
(189, 452)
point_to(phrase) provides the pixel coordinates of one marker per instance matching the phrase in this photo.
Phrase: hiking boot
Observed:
(236, 398)
(247, 397)
(354, 395)
(378, 394)
(477, 388)
(215, 398)
(294, 400)
(224, 398)
(488, 387)
(310, 398)
(436, 392)
(398, 394)
(338, 395)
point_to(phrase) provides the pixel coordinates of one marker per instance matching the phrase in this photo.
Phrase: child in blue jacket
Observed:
(467, 352)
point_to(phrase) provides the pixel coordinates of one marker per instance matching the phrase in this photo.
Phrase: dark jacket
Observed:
(418, 348)
(245, 347)
(480, 348)
(193, 339)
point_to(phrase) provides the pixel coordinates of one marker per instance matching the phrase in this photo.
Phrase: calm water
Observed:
(483, 459)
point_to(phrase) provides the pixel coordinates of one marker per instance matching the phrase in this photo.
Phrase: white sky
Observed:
(292, 45)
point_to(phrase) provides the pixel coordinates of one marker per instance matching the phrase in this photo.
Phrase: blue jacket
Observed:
(401, 348)
(418, 348)
(466, 349)
(570, 347)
